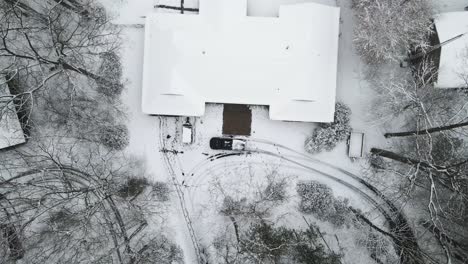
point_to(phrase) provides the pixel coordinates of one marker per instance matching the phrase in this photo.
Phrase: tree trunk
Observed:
(80, 70)
(432, 49)
(425, 131)
(26, 10)
(397, 157)
(236, 228)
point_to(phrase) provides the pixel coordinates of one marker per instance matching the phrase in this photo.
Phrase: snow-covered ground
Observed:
(351, 90)
(144, 132)
(197, 189)
(449, 5)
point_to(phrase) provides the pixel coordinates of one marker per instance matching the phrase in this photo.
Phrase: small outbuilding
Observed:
(452, 56)
(356, 145)
(11, 133)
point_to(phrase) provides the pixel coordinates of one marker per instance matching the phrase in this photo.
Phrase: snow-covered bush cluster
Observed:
(161, 191)
(248, 209)
(275, 192)
(386, 30)
(265, 242)
(271, 244)
(378, 245)
(133, 187)
(160, 250)
(340, 214)
(233, 207)
(327, 135)
(317, 199)
(376, 163)
(266, 198)
(61, 219)
(114, 137)
(109, 83)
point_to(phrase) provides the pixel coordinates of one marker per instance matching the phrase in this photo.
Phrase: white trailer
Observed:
(356, 145)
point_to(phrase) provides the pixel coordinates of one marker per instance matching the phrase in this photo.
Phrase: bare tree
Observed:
(70, 195)
(53, 55)
(435, 169)
(411, 98)
(430, 155)
(63, 203)
(387, 30)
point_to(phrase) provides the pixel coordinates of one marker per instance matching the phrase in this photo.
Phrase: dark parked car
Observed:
(227, 143)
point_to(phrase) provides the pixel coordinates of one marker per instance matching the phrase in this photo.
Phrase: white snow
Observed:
(352, 89)
(11, 133)
(222, 56)
(128, 12)
(449, 5)
(270, 8)
(453, 65)
(144, 129)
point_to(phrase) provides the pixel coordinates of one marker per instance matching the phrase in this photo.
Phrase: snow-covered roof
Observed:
(453, 67)
(222, 55)
(11, 133)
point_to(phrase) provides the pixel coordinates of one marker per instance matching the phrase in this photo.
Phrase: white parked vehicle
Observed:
(187, 132)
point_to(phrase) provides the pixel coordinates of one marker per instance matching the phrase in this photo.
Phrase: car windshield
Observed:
(238, 145)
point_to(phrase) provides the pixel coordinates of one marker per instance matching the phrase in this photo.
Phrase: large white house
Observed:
(452, 32)
(221, 55)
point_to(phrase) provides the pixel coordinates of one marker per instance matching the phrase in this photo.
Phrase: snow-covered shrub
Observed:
(327, 135)
(321, 139)
(266, 197)
(114, 136)
(376, 162)
(340, 215)
(60, 220)
(133, 187)
(109, 83)
(265, 243)
(109, 88)
(445, 148)
(244, 208)
(386, 30)
(161, 191)
(316, 198)
(342, 115)
(379, 246)
(160, 250)
(275, 191)
(232, 207)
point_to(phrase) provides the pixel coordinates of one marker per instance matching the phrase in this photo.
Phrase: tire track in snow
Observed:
(168, 161)
(404, 240)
